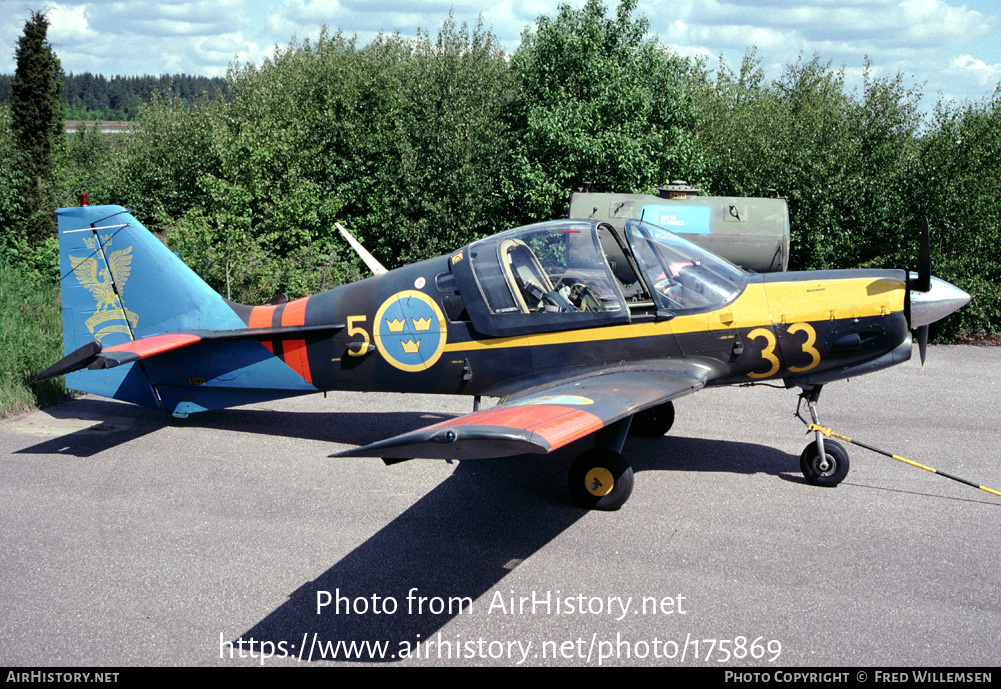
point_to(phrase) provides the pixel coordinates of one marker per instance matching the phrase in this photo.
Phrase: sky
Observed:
(950, 50)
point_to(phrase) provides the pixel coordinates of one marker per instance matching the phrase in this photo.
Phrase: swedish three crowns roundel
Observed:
(410, 331)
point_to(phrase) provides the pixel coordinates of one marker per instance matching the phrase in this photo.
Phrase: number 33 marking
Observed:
(768, 353)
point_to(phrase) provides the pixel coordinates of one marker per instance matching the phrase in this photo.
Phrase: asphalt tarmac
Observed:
(230, 538)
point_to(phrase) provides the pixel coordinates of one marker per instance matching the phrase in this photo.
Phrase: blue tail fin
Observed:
(120, 283)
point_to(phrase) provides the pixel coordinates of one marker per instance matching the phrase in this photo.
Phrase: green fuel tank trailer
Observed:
(753, 233)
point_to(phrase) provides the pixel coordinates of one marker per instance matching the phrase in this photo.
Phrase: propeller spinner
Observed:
(930, 299)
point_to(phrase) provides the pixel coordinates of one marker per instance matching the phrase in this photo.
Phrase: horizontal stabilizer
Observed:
(92, 356)
(74, 361)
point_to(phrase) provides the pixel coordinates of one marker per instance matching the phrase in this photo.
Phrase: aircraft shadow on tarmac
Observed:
(454, 545)
(450, 547)
(116, 423)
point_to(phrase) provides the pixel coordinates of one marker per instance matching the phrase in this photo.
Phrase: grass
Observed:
(31, 340)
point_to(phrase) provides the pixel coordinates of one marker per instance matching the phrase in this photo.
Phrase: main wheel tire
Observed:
(653, 422)
(600, 479)
(829, 473)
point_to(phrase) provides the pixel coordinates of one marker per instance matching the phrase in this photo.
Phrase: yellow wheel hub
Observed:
(599, 481)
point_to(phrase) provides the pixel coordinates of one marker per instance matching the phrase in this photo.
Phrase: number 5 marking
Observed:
(808, 348)
(357, 330)
(768, 353)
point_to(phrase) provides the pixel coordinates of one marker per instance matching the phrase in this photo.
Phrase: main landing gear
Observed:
(653, 422)
(823, 462)
(600, 478)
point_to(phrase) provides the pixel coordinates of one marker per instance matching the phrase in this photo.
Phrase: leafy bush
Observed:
(844, 162)
(957, 185)
(31, 339)
(598, 106)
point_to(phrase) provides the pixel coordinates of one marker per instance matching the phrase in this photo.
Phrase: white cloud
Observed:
(949, 45)
(143, 36)
(980, 71)
(926, 23)
(170, 18)
(741, 37)
(506, 19)
(69, 23)
(916, 38)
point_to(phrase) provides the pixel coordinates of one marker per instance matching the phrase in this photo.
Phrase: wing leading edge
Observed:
(544, 419)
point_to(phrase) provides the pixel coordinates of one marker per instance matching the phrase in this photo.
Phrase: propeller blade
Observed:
(923, 281)
(923, 343)
(920, 282)
(907, 302)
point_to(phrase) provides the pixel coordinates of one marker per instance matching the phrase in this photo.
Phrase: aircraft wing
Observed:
(546, 418)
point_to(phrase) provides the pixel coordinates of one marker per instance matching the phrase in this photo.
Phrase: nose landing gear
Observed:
(828, 470)
(823, 462)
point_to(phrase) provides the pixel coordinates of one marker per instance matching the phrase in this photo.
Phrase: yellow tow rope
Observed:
(831, 434)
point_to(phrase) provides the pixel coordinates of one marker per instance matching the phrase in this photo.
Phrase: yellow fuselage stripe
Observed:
(759, 305)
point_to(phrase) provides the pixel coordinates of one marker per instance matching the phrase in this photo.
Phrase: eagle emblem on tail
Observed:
(99, 282)
(106, 285)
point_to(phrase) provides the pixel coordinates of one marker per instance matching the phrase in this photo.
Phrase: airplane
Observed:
(581, 328)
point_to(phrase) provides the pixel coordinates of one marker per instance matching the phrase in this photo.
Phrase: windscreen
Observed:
(682, 276)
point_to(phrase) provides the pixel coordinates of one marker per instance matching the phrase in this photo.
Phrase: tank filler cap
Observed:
(678, 189)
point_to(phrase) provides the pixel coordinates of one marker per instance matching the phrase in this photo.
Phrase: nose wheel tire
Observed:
(653, 422)
(827, 471)
(600, 479)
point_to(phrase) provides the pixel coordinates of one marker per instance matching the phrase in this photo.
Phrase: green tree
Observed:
(37, 114)
(440, 187)
(844, 160)
(599, 104)
(13, 182)
(157, 172)
(957, 185)
(401, 140)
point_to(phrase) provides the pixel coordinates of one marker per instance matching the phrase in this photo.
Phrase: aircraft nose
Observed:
(942, 299)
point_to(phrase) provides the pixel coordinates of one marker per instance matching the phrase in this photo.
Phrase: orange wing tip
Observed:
(557, 425)
(498, 432)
